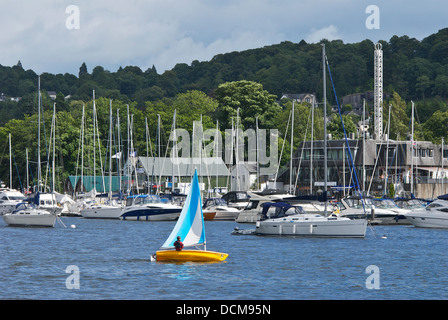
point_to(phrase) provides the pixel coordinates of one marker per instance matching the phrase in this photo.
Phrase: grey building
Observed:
(374, 162)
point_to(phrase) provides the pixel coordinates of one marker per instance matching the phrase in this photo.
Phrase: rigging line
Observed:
(17, 170)
(343, 126)
(351, 170)
(163, 162)
(348, 147)
(301, 153)
(4, 151)
(376, 161)
(283, 146)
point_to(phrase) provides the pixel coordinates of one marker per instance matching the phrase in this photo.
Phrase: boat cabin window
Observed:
(235, 196)
(278, 211)
(357, 203)
(252, 205)
(433, 205)
(384, 203)
(15, 198)
(141, 200)
(339, 206)
(272, 212)
(215, 202)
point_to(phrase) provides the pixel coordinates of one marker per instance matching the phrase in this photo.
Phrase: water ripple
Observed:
(113, 261)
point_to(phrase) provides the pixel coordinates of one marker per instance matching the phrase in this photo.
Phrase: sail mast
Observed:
(292, 144)
(110, 151)
(325, 125)
(94, 145)
(10, 162)
(39, 173)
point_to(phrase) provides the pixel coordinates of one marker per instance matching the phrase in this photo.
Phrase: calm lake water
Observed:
(112, 257)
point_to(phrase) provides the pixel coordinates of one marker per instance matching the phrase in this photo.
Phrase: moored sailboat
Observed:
(28, 215)
(305, 224)
(282, 219)
(190, 228)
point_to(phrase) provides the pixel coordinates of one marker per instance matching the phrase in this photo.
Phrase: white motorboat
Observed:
(149, 207)
(28, 215)
(410, 203)
(434, 215)
(390, 205)
(252, 212)
(9, 199)
(356, 207)
(108, 210)
(279, 218)
(223, 211)
(237, 199)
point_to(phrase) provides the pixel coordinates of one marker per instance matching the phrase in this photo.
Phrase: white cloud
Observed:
(330, 33)
(166, 32)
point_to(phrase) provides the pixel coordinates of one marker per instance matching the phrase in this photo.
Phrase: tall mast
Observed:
(412, 148)
(27, 173)
(258, 154)
(119, 151)
(292, 138)
(147, 154)
(312, 145)
(110, 151)
(237, 151)
(39, 173)
(10, 163)
(94, 145)
(443, 172)
(325, 124)
(128, 167)
(363, 145)
(174, 151)
(54, 149)
(82, 150)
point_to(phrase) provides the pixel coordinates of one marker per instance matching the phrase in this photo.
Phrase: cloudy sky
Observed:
(46, 37)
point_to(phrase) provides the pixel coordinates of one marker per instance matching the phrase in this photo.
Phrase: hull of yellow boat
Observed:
(190, 256)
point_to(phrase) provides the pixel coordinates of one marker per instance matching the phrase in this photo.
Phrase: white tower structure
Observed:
(378, 92)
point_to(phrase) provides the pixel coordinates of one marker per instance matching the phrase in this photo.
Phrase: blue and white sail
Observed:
(190, 225)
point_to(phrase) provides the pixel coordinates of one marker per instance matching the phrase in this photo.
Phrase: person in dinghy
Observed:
(178, 244)
(190, 228)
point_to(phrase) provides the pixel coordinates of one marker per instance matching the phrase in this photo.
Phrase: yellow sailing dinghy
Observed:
(190, 228)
